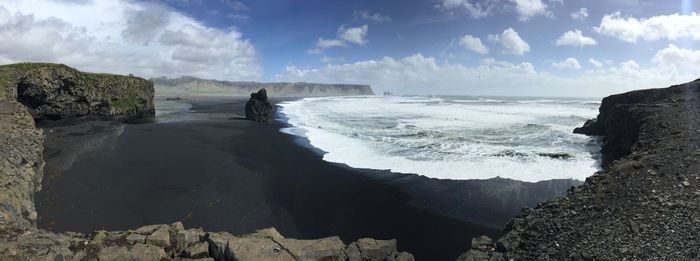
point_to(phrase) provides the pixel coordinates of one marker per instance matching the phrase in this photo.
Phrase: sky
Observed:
(590, 48)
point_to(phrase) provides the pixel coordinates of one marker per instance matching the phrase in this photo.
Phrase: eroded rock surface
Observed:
(645, 205)
(57, 92)
(258, 108)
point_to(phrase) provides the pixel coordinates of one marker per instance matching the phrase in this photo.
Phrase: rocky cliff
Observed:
(196, 86)
(645, 205)
(57, 92)
(21, 172)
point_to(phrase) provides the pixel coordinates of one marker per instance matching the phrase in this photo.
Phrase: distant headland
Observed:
(193, 86)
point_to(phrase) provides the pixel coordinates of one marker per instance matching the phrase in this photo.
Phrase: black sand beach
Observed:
(225, 174)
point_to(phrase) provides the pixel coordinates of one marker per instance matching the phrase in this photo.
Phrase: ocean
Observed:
(459, 138)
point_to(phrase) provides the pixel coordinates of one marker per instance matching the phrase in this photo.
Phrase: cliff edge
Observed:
(59, 92)
(645, 204)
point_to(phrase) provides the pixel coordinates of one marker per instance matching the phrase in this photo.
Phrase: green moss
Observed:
(122, 95)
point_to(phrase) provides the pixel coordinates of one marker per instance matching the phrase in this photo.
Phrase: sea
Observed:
(451, 137)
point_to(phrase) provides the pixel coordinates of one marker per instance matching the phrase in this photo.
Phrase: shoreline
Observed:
(301, 195)
(273, 181)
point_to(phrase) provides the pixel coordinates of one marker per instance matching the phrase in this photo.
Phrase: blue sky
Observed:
(284, 30)
(496, 47)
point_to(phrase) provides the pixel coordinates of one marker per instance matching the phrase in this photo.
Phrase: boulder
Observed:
(372, 249)
(145, 252)
(258, 108)
(590, 127)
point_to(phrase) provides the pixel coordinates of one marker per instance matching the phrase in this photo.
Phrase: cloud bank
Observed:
(120, 36)
(419, 74)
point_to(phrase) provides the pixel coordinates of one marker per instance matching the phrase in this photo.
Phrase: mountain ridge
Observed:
(189, 85)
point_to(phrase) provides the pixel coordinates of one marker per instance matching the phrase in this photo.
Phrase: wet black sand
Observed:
(226, 174)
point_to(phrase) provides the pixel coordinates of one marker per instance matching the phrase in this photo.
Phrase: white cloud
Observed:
(475, 9)
(415, 73)
(511, 42)
(419, 74)
(529, 8)
(328, 43)
(123, 37)
(568, 63)
(354, 35)
(595, 62)
(580, 15)
(575, 38)
(678, 58)
(472, 43)
(369, 16)
(669, 27)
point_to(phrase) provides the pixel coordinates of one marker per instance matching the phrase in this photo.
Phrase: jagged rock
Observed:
(114, 253)
(372, 249)
(148, 229)
(258, 108)
(330, 248)
(590, 127)
(187, 237)
(146, 252)
(197, 250)
(21, 165)
(56, 91)
(482, 243)
(635, 209)
(134, 238)
(160, 237)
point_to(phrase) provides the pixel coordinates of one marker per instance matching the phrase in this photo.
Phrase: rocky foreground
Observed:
(645, 205)
(30, 92)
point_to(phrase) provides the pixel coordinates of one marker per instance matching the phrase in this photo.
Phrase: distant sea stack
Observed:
(58, 92)
(195, 86)
(258, 108)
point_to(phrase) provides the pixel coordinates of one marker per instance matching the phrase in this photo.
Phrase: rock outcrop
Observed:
(195, 86)
(58, 92)
(21, 172)
(645, 205)
(175, 242)
(258, 108)
(21, 166)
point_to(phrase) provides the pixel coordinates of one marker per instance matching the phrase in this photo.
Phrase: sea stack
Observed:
(258, 108)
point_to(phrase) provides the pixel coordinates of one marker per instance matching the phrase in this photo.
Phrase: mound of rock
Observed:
(645, 205)
(258, 108)
(57, 92)
(174, 242)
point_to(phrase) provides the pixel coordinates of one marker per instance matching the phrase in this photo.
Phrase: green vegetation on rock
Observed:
(56, 91)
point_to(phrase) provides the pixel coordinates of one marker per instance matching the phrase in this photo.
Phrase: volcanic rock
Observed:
(635, 209)
(258, 108)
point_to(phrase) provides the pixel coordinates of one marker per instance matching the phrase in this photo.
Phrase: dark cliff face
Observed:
(57, 92)
(643, 206)
(621, 116)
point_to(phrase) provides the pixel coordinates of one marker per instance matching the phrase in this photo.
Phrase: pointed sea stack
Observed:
(258, 108)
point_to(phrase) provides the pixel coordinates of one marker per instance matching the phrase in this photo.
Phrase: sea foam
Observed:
(450, 137)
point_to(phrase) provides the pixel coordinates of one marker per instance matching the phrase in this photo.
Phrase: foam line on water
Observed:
(445, 138)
